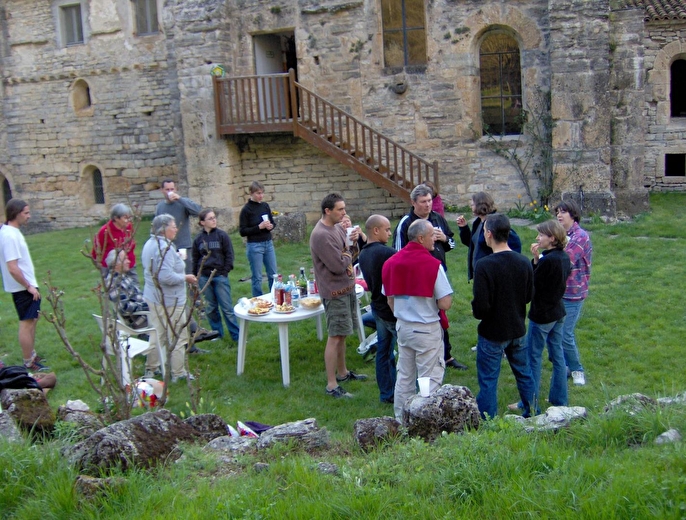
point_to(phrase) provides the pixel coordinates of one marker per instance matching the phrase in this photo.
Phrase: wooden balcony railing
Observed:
(263, 104)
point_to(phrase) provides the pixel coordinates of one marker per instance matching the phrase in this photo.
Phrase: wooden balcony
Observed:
(266, 104)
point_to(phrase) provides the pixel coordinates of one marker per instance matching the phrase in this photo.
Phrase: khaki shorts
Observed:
(341, 315)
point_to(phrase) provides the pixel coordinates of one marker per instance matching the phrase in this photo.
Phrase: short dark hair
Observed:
(167, 181)
(483, 203)
(499, 226)
(13, 208)
(330, 201)
(571, 207)
(203, 214)
(256, 186)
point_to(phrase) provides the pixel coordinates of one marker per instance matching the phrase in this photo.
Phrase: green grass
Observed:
(631, 337)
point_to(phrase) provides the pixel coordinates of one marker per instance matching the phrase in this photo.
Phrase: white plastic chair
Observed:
(130, 346)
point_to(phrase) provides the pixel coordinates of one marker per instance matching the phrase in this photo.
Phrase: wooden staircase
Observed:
(266, 104)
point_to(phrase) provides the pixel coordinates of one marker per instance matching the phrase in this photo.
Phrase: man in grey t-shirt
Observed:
(182, 209)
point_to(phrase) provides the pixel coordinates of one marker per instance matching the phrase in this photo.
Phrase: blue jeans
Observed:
(259, 254)
(573, 308)
(537, 337)
(386, 338)
(489, 355)
(218, 296)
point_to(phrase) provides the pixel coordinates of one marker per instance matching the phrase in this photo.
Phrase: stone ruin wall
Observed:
(663, 43)
(340, 57)
(129, 132)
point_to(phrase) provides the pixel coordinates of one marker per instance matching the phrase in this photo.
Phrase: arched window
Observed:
(501, 85)
(404, 33)
(6, 191)
(98, 190)
(81, 95)
(677, 82)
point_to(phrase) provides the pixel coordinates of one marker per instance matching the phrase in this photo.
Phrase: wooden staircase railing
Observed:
(266, 104)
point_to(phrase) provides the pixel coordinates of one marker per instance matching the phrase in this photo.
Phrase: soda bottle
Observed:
(279, 291)
(312, 284)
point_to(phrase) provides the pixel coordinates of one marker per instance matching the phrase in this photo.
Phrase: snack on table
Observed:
(284, 308)
(262, 303)
(311, 303)
(258, 311)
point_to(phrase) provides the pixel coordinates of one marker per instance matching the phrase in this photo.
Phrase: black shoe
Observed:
(196, 350)
(390, 400)
(206, 335)
(456, 364)
(339, 393)
(352, 376)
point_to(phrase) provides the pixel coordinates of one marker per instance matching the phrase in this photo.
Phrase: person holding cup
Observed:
(256, 223)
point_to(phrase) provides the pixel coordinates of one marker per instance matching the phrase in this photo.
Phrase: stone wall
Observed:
(663, 42)
(298, 176)
(579, 56)
(627, 102)
(127, 132)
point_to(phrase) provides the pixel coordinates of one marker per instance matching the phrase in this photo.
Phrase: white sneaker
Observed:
(474, 348)
(579, 378)
(176, 379)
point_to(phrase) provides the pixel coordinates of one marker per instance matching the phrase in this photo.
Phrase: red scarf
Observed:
(411, 271)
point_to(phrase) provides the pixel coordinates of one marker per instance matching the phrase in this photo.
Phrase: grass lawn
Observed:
(631, 339)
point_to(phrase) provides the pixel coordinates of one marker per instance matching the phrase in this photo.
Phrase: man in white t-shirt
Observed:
(19, 279)
(417, 287)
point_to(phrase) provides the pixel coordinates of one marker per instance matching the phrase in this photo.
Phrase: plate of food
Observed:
(284, 309)
(261, 303)
(310, 302)
(258, 311)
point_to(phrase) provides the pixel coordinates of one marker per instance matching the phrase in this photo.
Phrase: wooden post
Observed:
(294, 100)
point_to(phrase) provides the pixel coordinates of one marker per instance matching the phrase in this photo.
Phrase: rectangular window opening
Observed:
(146, 17)
(675, 165)
(72, 26)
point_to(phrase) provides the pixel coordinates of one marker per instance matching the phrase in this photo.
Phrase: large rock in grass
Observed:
(84, 422)
(138, 442)
(303, 434)
(30, 410)
(8, 429)
(370, 433)
(290, 227)
(449, 409)
(553, 419)
(208, 425)
(631, 404)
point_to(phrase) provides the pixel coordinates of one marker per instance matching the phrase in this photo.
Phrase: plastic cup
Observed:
(265, 217)
(349, 232)
(424, 386)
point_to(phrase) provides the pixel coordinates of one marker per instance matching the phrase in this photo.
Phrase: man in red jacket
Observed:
(416, 286)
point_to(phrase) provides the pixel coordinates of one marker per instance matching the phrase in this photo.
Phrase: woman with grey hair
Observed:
(116, 234)
(167, 299)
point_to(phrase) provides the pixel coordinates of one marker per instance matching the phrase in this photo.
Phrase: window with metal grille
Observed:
(404, 33)
(98, 190)
(677, 97)
(146, 17)
(501, 85)
(72, 26)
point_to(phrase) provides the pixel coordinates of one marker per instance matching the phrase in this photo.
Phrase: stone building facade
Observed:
(90, 122)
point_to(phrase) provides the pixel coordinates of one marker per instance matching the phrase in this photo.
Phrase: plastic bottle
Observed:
(279, 291)
(295, 291)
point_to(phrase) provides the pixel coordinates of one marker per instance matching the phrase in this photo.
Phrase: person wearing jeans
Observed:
(503, 285)
(256, 223)
(551, 267)
(213, 251)
(580, 251)
(372, 259)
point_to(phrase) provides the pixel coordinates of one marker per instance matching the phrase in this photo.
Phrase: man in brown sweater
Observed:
(333, 270)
